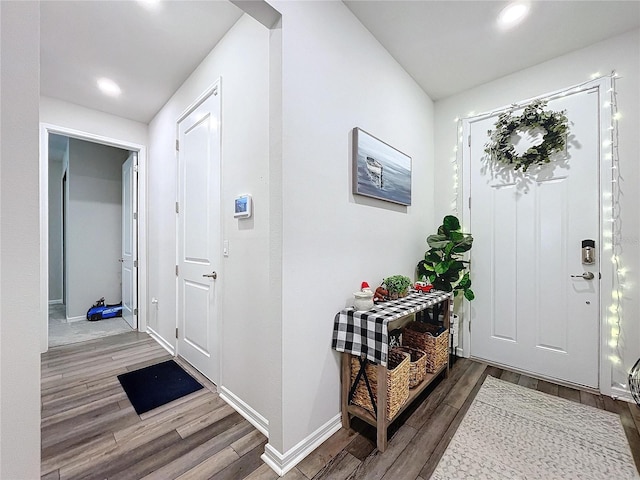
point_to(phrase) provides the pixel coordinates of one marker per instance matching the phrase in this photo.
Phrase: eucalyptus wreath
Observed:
(534, 116)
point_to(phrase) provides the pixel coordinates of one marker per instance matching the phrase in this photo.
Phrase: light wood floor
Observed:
(90, 430)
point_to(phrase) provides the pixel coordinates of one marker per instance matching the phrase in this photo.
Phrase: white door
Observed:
(129, 240)
(530, 313)
(199, 235)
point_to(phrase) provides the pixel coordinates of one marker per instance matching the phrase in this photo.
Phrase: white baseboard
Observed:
(55, 302)
(163, 343)
(253, 417)
(76, 319)
(282, 463)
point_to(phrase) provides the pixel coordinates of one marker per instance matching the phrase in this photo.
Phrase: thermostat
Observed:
(242, 206)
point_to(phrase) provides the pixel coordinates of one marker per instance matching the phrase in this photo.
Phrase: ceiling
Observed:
(451, 46)
(148, 48)
(446, 46)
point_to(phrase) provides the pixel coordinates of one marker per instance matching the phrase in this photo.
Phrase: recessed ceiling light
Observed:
(149, 4)
(109, 87)
(513, 14)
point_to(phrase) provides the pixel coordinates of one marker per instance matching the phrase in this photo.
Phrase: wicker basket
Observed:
(398, 369)
(418, 365)
(420, 335)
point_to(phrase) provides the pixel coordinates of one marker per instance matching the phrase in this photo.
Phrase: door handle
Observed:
(585, 275)
(121, 260)
(214, 275)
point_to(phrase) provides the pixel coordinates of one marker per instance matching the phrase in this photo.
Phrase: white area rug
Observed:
(513, 432)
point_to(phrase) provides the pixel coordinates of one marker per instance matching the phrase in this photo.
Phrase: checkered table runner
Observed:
(365, 332)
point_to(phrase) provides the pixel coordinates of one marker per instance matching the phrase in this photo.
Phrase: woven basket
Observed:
(418, 365)
(420, 335)
(398, 369)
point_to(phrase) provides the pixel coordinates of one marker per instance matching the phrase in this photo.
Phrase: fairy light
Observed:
(613, 236)
(455, 162)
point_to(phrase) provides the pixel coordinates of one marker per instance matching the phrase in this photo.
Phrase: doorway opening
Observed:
(90, 236)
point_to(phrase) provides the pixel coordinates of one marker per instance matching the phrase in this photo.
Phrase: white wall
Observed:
(19, 241)
(93, 225)
(622, 54)
(249, 334)
(336, 76)
(71, 116)
(55, 231)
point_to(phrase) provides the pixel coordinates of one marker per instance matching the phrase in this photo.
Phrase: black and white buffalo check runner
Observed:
(365, 332)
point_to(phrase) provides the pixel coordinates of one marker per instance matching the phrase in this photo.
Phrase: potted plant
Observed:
(397, 285)
(444, 264)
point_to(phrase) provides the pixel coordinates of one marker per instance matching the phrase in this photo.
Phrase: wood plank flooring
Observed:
(90, 430)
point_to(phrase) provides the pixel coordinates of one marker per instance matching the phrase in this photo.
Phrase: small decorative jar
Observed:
(363, 300)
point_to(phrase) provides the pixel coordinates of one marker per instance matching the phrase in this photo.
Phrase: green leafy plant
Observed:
(397, 283)
(534, 116)
(444, 265)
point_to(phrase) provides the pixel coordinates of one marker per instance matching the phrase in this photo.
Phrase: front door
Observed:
(199, 235)
(533, 309)
(129, 240)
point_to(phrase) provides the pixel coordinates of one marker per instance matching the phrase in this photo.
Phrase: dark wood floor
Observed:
(90, 430)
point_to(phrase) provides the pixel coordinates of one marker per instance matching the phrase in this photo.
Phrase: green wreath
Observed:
(555, 124)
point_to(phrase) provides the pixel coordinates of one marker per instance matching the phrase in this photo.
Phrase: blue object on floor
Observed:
(154, 386)
(100, 311)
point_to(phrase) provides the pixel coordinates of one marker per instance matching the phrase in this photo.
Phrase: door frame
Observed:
(45, 130)
(604, 86)
(209, 91)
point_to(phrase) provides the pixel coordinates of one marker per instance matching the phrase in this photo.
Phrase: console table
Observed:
(365, 334)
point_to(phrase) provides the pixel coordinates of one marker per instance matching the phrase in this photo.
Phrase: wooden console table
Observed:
(365, 334)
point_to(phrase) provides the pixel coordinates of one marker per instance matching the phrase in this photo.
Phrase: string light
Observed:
(612, 157)
(457, 150)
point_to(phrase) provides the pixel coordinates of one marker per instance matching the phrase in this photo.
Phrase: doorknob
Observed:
(585, 275)
(121, 260)
(214, 275)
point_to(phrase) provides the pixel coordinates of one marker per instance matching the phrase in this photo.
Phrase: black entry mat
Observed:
(154, 386)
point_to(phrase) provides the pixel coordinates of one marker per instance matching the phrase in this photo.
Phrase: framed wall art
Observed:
(379, 170)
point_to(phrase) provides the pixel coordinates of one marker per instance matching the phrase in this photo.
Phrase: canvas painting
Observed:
(379, 170)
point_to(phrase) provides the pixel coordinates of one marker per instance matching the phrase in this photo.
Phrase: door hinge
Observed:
(135, 168)
(469, 203)
(135, 311)
(135, 263)
(177, 145)
(177, 207)
(469, 326)
(469, 140)
(176, 270)
(176, 332)
(135, 215)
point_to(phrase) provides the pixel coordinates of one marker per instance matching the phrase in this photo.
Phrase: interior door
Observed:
(199, 235)
(533, 310)
(129, 240)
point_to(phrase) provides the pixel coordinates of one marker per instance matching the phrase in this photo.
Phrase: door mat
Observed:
(512, 432)
(157, 385)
